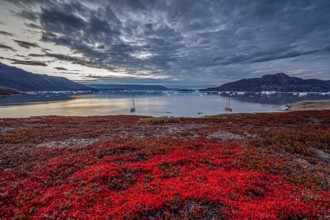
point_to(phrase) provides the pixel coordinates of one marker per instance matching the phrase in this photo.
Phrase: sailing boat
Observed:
(133, 108)
(227, 107)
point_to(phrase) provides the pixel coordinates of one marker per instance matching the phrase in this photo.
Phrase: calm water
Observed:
(192, 104)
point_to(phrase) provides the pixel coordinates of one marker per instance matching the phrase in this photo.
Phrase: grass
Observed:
(166, 168)
(158, 120)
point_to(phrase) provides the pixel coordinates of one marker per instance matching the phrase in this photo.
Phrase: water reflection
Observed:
(169, 103)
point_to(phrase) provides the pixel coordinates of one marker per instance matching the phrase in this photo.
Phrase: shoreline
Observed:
(309, 105)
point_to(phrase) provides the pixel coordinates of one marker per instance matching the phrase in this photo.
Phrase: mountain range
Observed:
(276, 82)
(12, 79)
(127, 87)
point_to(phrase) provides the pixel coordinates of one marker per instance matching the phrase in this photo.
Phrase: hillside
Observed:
(5, 91)
(277, 82)
(21, 80)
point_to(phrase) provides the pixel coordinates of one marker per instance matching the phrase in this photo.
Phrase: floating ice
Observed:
(302, 94)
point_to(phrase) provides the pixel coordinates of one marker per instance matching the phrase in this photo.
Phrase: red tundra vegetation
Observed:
(242, 166)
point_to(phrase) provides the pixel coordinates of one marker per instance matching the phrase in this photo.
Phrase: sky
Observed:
(166, 42)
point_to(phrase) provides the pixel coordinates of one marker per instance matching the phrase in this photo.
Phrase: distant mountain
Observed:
(127, 87)
(18, 79)
(277, 82)
(7, 91)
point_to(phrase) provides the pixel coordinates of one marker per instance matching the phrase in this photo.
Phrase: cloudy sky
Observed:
(195, 42)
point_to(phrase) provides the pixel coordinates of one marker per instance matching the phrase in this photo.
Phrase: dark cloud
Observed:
(26, 61)
(27, 15)
(26, 44)
(33, 26)
(284, 55)
(68, 73)
(185, 40)
(75, 60)
(30, 63)
(4, 47)
(61, 22)
(60, 68)
(5, 33)
(36, 55)
(72, 59)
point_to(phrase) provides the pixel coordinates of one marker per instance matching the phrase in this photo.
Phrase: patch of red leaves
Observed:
(154, 178)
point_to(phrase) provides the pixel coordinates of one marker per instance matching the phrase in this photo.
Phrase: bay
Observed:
(150, 103)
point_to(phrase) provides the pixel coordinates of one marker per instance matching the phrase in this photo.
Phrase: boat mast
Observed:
(228, 108)
(133, 107)
(133, 102)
